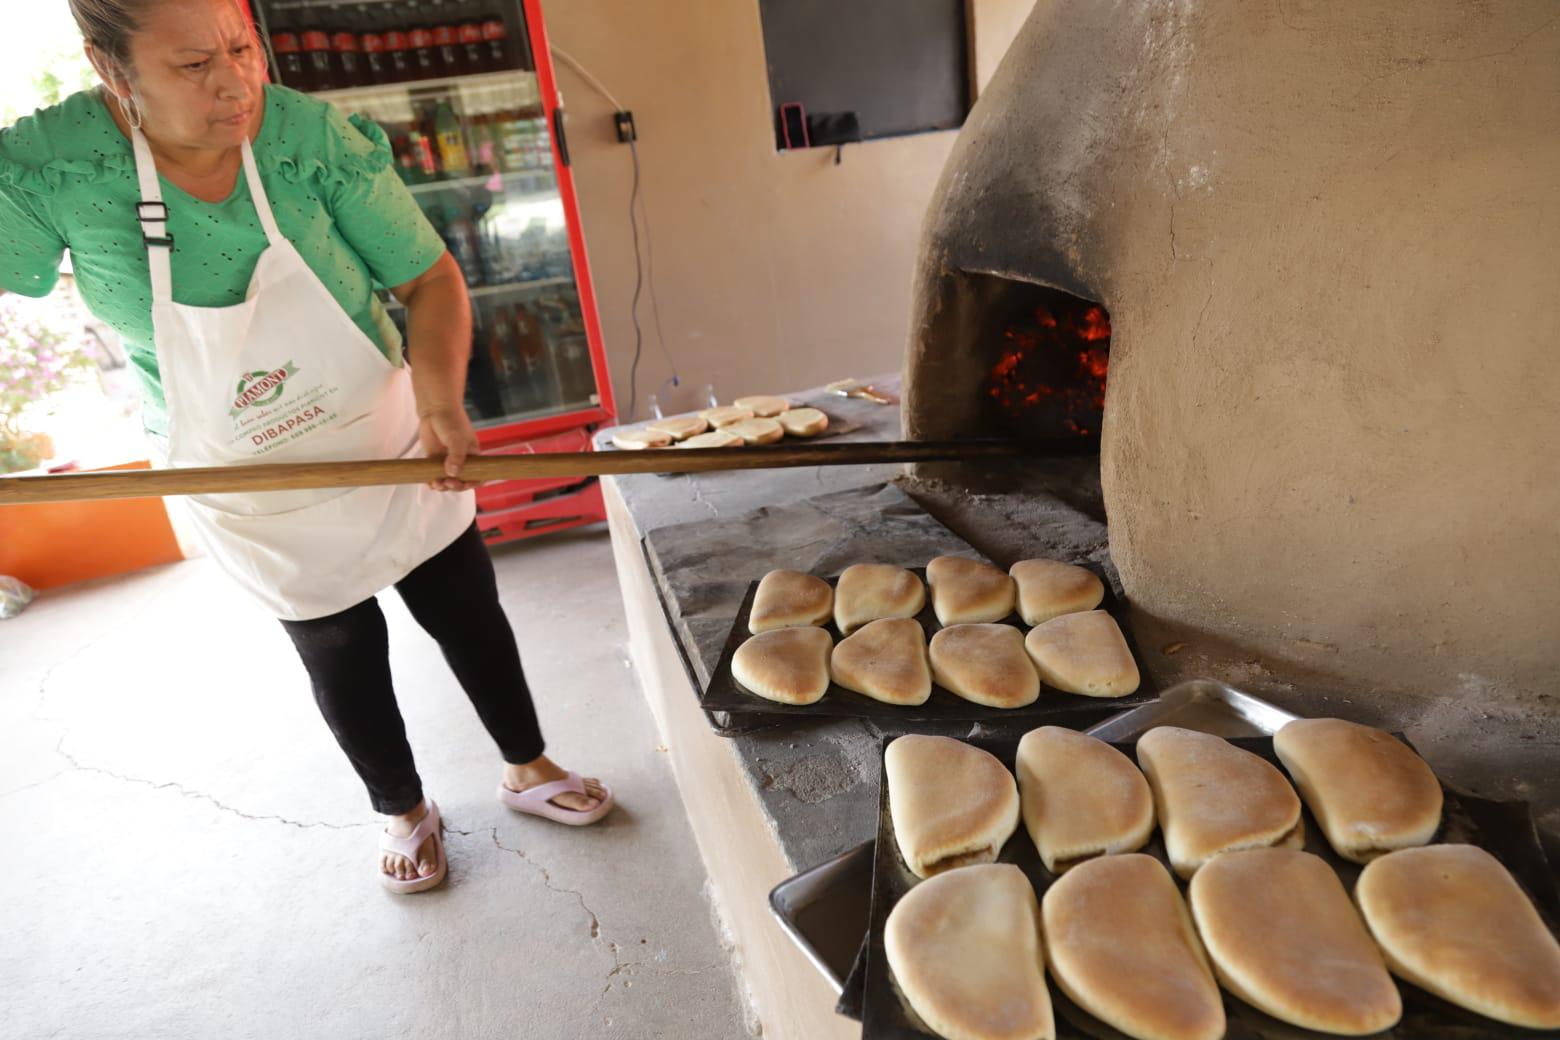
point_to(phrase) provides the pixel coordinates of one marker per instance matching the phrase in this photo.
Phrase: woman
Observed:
(233, 231)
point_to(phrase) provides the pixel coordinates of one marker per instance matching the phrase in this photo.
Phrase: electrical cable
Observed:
(644, 267)
(633, 310)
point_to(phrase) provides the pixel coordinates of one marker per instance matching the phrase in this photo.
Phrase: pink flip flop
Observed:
(537, 801)
(407, 846)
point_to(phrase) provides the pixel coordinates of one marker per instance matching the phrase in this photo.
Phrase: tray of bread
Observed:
(1181, 885)
(957, 640)
(746, 422)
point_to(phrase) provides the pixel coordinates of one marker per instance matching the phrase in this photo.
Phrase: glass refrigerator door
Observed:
(476, 154)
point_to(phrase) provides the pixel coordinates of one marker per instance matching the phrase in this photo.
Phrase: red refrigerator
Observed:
(465, 91)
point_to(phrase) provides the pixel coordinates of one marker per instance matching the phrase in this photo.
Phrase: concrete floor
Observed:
(188, 854)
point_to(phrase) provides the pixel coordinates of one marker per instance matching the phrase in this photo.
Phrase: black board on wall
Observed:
(901, 66)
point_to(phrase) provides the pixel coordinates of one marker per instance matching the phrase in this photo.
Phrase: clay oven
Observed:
(1326, 241)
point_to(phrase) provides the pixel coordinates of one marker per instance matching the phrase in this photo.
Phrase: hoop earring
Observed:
(131, 111)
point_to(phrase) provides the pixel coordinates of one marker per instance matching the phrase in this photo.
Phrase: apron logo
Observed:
(261, 387)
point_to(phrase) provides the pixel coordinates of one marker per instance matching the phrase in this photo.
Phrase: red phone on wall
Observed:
(793, 125)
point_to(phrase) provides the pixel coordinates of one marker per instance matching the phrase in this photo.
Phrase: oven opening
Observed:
(1045, 354)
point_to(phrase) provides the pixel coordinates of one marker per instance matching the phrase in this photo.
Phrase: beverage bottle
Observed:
(482, 399)
(460, 237)
(496, 35)
(398, 45)
(511, 137)
(423, 149)
(425, 60)
(484, 142)
(531, 346)
(371, 38)
(500, 352)
(346, 47)
(319, 73)
(452, 141)
(469, 33)
(288, 48)
(446, 38)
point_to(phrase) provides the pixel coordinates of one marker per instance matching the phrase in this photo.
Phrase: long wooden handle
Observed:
(292, 476)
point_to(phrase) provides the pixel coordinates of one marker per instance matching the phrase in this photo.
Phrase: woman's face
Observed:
(196, 73)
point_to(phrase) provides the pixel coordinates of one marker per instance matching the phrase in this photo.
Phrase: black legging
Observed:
(454, 597)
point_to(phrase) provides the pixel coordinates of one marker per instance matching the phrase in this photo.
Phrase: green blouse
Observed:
(67, 181)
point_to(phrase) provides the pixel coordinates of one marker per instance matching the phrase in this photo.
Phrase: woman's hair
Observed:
(108, 25)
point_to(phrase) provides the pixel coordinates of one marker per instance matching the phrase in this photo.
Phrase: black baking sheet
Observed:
(724, 693)
(1505, 829)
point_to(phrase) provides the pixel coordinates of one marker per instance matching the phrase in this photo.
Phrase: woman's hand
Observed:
(446, 433)
(438, 347)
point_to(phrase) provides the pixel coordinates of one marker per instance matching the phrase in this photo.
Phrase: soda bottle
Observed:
(496, 35)
(446, 38)
(505, 367)
(469, 33)
(288, 48)
(346, 47)
(371, 38)
(398, 46)
(425, 60)
(452, 141)
(485, 145)
(423, 148)
(319, 73)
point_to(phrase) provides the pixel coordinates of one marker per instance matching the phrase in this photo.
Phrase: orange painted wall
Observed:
(55, 543)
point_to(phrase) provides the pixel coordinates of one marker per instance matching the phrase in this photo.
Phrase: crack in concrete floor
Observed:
(173, 785)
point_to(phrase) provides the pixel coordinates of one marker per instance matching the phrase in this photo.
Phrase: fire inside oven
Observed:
(1051, 353)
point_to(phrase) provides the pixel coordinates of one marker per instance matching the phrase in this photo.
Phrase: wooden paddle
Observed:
(290, 476)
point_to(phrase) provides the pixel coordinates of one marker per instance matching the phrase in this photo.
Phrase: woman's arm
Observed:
(438, 335)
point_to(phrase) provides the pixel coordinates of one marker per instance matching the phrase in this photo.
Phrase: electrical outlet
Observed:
(625, 127)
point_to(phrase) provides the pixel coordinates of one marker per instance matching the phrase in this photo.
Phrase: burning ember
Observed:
(1050, 379)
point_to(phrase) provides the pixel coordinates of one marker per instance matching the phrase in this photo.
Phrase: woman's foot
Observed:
(399, 867)
(544, 771)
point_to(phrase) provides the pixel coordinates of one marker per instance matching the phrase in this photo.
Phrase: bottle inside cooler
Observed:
(319, 72)
(370, 22)
(346, 46)
(287, 46)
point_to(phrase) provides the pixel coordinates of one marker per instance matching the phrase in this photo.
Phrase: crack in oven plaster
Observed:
(173, 785)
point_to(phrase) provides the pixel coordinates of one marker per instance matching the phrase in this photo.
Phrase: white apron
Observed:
(287, 376)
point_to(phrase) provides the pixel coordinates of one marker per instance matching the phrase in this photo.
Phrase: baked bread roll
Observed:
(789, 665)
(965, 950)
(1284, 938)
(713, 439)
(1452, 920)
(1368, 790)
(789, 599)
(756, 431)
(1050, 588)
(885, 660)
(968, 592)
(725, 415)
(1214, 797)
(951, 803)
(681, 427)
(1081, 797)
(868, 591)
(764, 405)
(1083, 653)
(985, 664)
(803, 422)
(640, 439)
(1120, 943)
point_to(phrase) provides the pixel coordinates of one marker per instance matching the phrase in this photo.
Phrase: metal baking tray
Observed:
(1201, 704)
(886, 1016)
(724, 693)
(824, 911)
(845, 882)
